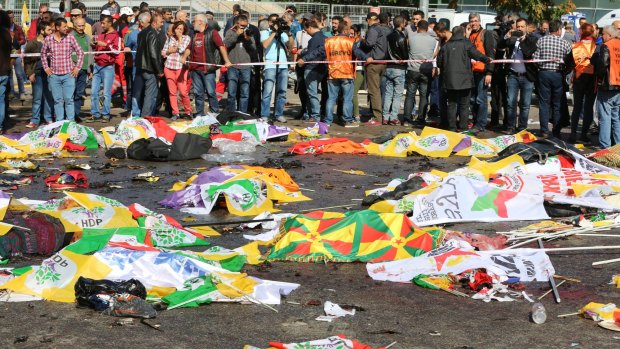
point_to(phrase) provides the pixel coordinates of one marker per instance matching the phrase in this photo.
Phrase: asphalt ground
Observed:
(387, 312)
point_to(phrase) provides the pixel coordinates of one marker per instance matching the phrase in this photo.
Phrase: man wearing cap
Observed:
(375, 46)
(111, 6)
(75, 14)
(97, 29)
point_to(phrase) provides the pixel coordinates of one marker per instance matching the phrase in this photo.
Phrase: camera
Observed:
(248, 32)
(281, 25)
(505, 27)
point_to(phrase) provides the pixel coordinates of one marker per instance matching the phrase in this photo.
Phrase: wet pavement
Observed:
(412, 316)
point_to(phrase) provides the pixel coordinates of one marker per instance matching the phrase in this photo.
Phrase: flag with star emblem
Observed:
(358, 236)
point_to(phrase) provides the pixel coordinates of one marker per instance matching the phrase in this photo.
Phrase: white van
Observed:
(609, 18)
(453, 18)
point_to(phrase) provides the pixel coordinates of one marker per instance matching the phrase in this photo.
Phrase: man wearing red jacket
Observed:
(103, 69)
(32, 30)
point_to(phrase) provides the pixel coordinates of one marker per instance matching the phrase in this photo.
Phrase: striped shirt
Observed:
(173, 60)
(552, 47)
(59, 54)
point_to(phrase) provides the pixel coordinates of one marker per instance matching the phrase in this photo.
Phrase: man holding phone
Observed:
(521, 76)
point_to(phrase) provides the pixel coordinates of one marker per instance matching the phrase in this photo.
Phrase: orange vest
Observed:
(340, 48)
(582, 52)
(476, 39)
(614, 61)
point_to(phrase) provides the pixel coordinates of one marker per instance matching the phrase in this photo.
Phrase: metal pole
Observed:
(424, 6)
(554, 288)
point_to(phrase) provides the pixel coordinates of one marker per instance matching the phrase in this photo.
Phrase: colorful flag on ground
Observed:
(526, 264)
(359, 236)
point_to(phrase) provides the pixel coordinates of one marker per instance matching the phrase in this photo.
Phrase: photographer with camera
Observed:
(276, 42)
(241, 49)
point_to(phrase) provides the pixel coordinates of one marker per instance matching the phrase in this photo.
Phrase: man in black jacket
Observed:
(454, 63)
(398, 50)
(149, 66)
(521, 77)
(607, 69)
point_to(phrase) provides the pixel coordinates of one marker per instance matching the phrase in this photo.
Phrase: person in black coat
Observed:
(454, 63)
(149, 65)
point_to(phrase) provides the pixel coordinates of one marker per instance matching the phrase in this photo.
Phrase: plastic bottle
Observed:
(539, 314)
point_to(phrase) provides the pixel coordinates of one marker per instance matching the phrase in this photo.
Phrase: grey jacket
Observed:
(375, 43)
(421, 46)
(240, 50)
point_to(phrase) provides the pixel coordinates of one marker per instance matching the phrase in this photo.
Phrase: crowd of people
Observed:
(156, 61)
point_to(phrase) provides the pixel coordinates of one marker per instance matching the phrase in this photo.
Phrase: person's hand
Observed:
(75, 72)
(487, 80)
(300, 62)
(90, 76)
(48, 71)
(32, 78)
(239, 30)
(160, 75)
(227, 64)
(127, 49)
(435, 71)
(369, 60)
(102, 43)
(183, 60)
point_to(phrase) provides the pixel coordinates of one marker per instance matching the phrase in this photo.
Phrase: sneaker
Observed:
(372, 123)
(48, 123)
(352, 124)
(281, 119)
(31, 125)
(174, 117)
(311, 121)
(509, 131)
(91, 119)
(105, 119)
(188, 116)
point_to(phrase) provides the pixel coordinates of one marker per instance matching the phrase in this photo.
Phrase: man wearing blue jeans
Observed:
(313, 73)
(551, 47)
(83, 39)
(42, 100)
(5, 66)
(241, 49)
(521, 76)
(341, 75)
(149, 67)
(275, 75)
(103, 69)
(398, 50)
(484, 42)
(607, 69)
(207, 50)
(61, 69)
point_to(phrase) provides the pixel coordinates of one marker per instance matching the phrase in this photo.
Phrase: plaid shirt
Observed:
(59, 54)
(552, 47)
(173, 60)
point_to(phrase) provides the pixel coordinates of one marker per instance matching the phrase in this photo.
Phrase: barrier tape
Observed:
(379, 61)
(383, 61)
(17, 55)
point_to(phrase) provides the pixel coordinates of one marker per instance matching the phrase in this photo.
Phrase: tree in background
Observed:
(536, 10)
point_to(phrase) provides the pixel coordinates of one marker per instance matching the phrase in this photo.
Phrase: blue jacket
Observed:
(315, 52)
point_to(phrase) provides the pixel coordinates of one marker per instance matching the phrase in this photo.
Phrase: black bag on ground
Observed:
(185, 146)
(537, 151)
(86, 289)
(409, 186)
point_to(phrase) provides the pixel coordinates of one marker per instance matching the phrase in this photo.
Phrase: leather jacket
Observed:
(148, 55)
(601, 69)
(398, 48)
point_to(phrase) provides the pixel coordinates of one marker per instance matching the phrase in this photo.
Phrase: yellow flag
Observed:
(25, 17)
(437, 143)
